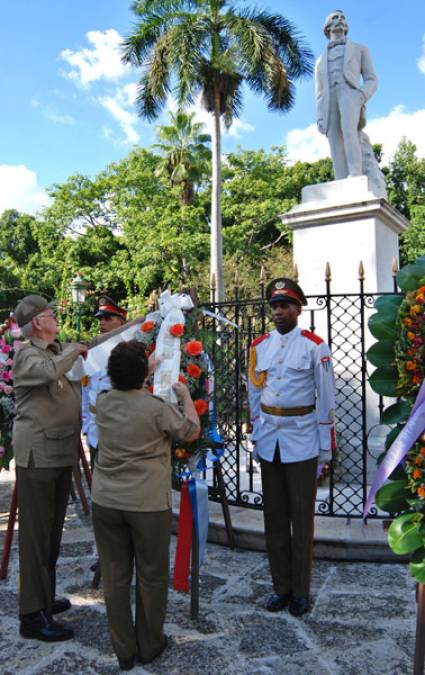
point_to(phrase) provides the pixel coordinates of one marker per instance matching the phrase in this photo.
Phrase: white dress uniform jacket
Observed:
(90, 389)
(293, 370)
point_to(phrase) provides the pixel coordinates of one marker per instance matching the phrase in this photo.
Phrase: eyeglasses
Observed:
(48, 316)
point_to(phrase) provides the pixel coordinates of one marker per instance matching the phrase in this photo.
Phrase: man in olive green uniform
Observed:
(46, 439)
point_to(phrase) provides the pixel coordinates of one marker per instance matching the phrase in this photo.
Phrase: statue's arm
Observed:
(370, 81)
(320, 91)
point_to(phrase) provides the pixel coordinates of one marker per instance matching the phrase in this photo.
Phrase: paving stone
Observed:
(363, 608)
(265, 635)
(380, 658)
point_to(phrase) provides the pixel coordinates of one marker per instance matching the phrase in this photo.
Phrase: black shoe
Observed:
(145, 661)
(60, 605)
(40, 626)
(277, 602)
(299, 606)
(127, 664)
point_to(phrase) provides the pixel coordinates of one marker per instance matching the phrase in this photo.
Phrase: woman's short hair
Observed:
(128, 365)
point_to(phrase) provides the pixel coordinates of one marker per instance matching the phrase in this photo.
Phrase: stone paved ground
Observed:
(362, 621)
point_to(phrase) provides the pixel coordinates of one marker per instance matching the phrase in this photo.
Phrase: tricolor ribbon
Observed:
(396, 453)
(193, 518)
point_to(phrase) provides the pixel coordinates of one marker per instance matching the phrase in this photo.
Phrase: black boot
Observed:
(41, 626)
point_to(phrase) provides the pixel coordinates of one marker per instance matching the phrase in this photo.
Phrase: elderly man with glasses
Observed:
(45, 440)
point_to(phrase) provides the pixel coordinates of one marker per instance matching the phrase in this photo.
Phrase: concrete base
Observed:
(343, 223)
(335, 538)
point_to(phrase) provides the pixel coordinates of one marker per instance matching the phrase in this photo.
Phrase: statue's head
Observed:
(335, 19)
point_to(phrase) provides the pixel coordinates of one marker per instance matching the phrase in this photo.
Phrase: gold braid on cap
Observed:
(261, 379)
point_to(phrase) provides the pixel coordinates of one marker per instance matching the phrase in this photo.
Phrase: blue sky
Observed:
(68, 102)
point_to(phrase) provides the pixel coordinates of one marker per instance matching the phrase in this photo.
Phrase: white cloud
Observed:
(67, 120)
(117, 105)
(19, 189)
(421, 59)
(308, 145)
(102, 60)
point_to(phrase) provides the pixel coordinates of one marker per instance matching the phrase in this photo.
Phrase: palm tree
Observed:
(211, 48)
(186, 156)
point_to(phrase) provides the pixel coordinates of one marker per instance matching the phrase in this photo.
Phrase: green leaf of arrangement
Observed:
(391, 436)
(397, 412)
(381, 353)
(384, 381)
(409, 276)
(393, 496)
(406, 534)
(388, 304)
(417, 566)
(382, 327)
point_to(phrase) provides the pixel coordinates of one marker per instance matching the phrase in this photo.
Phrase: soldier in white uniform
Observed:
(292, 399)
(111, 316)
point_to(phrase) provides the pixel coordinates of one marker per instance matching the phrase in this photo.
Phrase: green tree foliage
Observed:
(212, 48)
(405, 178)
(186, 155)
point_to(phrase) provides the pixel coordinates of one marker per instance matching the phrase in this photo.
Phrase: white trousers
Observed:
(345, 104)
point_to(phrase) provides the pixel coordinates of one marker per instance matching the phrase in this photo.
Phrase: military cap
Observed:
(108, 307)
(27, 309)
(285, 290)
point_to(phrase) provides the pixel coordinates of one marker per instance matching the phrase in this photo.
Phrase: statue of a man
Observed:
(341, 97)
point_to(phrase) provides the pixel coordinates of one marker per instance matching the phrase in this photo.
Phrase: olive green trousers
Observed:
(42, 500)
(122, 538)
(289, 493)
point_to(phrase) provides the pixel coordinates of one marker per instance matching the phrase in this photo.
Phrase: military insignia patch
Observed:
(279, 285)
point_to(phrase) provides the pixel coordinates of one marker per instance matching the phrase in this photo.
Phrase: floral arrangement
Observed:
(9, 344)
(410, 346)
(399, 357)
(194, 372)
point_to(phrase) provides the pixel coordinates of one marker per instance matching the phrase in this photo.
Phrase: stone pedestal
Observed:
(343, 223)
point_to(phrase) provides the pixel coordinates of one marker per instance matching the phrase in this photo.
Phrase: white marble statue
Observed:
(345, 80)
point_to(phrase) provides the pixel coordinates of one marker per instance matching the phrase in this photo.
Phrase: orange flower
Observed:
(422, 451)
(421, 491)
(194, 371)
(182, 379)
(201, 406)
(407, 321)
(410, 336)
(420, 296)
(416, 379)
(410, 365)
(415, 309)
(181, 453)
(422, 289)
(418, 460)
(177, 329)
(147, 326)
(410, 352)
(417, 473)
(193, 347)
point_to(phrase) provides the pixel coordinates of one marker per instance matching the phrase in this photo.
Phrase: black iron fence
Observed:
(341, 319)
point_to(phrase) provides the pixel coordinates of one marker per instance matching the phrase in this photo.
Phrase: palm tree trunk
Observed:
(216, 238)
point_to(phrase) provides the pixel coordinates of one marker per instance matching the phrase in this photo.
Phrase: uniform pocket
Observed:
(61, 444)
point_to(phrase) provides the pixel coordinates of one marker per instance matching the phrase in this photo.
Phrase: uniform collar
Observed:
(286, 337)
(42, 344)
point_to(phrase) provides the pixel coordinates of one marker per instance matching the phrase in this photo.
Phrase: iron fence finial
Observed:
(361, 271)
(295, 274)
(328, 273)
(213, 284)
(395, 267)
(262, 274)
(237, 278)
